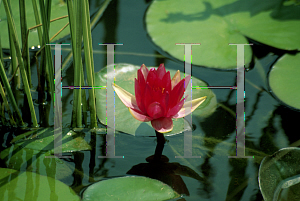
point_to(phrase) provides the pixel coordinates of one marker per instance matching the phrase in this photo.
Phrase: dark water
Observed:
(269, 124)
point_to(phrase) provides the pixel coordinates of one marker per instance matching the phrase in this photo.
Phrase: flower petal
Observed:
(176, 79)
(151, 78)
(176, 108)
(161, 71)
(144, 70)
(195, 104)
(127, 98)
(167, 81)
(155, 110)
(176, 93)
(139, 96)
(139, 116)
(148, 98)
(162, 125)
(186, 82)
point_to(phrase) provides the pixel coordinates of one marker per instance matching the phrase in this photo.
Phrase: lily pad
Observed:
(217, 23)
(284, 80)
(124, 121)
(24, 159)
(29, 186)
(43, 140)
(279, 175)
(58, 9)
(129, 188)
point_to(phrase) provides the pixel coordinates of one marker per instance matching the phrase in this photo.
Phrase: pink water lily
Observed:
(158, 98)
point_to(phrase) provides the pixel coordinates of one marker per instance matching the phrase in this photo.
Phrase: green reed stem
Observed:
(45, 15)
(73, 41)
(78, 62)
(14, 62)
(12, 28)
(83, 98)
(5, 102)
(76, 35)
(25, 48)
(37, 20)
(10, 96)
(89, 60)
(1, 53)
(93, 23)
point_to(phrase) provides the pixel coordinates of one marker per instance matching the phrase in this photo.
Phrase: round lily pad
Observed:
(124, 121)
(29, 186)
(58, 9)
(129, 188)
(284, 80)
(279, 175)
(217, 23)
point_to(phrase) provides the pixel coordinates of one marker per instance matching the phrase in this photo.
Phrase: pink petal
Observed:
(139, 97)
(162, 125)
(155, 110)
(176, 79)
(195, 104)
(165, 102)
(148, 98)
(144, 70)
(178, 91)
(176, 108)
(161, 71)
(167, 81)
(186, 82)
(141, 78)
(151, 78)
(127, 98)
(139, 116)
(176, 94)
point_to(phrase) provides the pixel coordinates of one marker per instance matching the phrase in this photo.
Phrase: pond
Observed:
(270, 125)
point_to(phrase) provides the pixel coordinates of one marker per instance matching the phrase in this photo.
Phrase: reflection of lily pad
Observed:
(129, 188)
(58, 9)
(217, 23)
(44, 140)
(124, 122)
(29, 186)
(284, 80)
(279, 175)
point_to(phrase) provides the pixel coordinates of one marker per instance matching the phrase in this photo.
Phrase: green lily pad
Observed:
(279, 175)
(129, 188)
(284, 80)
(29, 186)
(23, 159)
(43, 140)
(58, 9)
(217, 23)
(124, 121)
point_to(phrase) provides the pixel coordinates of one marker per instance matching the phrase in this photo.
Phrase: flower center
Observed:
(158, 89)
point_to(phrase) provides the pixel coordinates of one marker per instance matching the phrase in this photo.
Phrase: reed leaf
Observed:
(45, 15)
(78, 63)
(67, 61)
(25, 49)
(1, 53)
(5, 103)
(10, 96)
(89, 61)
(20, 60)
(37, 20)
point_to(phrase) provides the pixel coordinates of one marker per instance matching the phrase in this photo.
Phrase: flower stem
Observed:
(160, 145)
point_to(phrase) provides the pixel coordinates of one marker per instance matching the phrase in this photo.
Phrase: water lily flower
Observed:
(158, 98)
